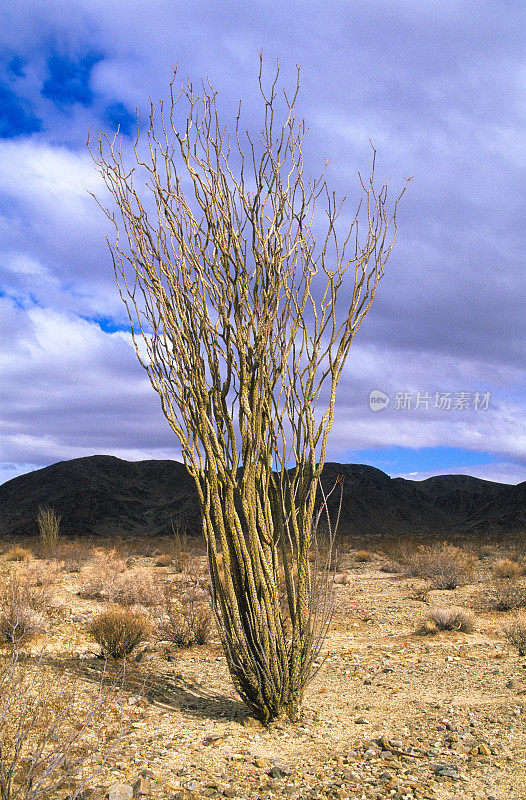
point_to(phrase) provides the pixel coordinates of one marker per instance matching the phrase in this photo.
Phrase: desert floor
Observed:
(390, 714)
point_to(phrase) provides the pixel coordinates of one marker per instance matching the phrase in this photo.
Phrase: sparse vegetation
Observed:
(506, 568)
(48, 527)
(507, 594)
(374, 618)
(18, 554)
(515, 632)
(119, 631)
(74, 555)
(444, 565)
(164, 560)
(22, 607)
(138, 588)
(186, 620)
(49, 730)
(100, 577)
(363, 556)
(447, 619)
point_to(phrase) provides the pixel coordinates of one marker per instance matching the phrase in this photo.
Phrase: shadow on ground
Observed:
(166, 689)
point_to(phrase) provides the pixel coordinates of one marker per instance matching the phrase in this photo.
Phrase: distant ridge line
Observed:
(106, 495)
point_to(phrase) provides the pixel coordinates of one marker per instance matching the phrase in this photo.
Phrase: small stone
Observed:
(230, 791)
(141, 787)
(361, 721)
(385, 776)
(120, 791)
(213, 741)
(252, 722)
(484, 750)
(276, 773)
(513, 683)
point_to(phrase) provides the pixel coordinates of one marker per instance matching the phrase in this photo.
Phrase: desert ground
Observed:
(398, 708)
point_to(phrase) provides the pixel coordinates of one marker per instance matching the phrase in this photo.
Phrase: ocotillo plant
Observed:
(232, 301)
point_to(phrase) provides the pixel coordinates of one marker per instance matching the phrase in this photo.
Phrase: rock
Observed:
(277, 773)
(230, 791)
(513, 683)
(484, 749)
(141, 787)
(385, 776)
(213, 741)
(446, 771)
(361, 721)
(121, 791)
(252, 722)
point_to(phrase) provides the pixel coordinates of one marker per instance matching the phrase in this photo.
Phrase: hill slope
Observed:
(106, 495)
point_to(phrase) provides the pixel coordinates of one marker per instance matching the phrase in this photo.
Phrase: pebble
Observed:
(120, 791)
(141, 787)
(361, 721)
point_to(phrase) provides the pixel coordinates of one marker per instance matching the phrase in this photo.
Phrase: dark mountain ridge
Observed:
(100, 495)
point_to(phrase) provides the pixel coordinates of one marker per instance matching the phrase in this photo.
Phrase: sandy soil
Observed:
(390, 714)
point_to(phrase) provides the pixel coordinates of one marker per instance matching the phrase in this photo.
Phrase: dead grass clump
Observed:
(51, 730)
(453, 619)
(164, 560)
(119, 631)
(18, 554)
(186, 620)
(48, 527)
(100, 578)
(445, 565)
(21, 610)
(138, 588)
(363, 556)
(515, 633)
(507, 594)
(74, 555)
(343, 579)
(390, 566)
(506, 568)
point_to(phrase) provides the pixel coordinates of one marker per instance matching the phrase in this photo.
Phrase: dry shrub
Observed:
(515, 633)
(74, 555)
(187, 619)
(119, 631)
(486, 550)
(363, 556)
(48, 527)
(50, 730)
(138, 589)
(164, 560)
(506, 594)
(452, 619)
(100, 579)
(18, 554)
(390, 566)
(21, 610)
(445, 565)
(506, 568)
(343, 579)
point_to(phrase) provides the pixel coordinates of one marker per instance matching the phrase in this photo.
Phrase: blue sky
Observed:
(438, 86)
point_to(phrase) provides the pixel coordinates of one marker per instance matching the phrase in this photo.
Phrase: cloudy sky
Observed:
(438, 86)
